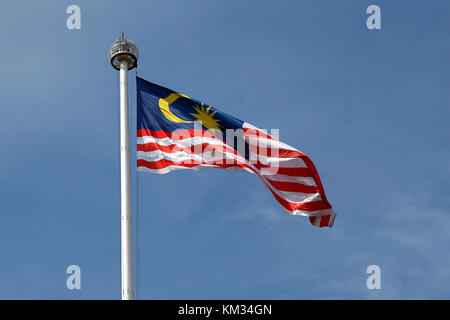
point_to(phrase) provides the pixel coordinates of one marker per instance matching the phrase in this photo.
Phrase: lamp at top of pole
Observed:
(123, 49)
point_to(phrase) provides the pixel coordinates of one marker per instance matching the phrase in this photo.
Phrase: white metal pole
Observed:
(125, 188)
(123, 55)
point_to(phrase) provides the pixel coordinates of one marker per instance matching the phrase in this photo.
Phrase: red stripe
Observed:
(305, 206)
(293, 186)
(313, 220)
(163, 163)
(315, 174)
(294, 172)
(176, 134)
(205, 150)
(273, 152)
(194, 149)
(324, 221)
(257, 133)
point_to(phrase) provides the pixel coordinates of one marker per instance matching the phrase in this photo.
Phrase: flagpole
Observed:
(123, 55)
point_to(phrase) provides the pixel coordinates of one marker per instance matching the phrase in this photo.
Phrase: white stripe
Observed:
(319, 213)
(268, 143)
(185, 143)
(319, 218)
(279, 162)
(297, 197)
(309, 181)
(218, 157)
(317, 221)
(264, 142)
(196, 168)
(187, 158)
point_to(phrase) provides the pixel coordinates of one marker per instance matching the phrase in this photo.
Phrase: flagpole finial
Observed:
(123, 49)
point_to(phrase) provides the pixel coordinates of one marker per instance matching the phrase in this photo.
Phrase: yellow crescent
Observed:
(164, 106)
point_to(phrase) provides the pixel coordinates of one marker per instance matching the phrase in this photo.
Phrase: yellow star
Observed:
(206, 118)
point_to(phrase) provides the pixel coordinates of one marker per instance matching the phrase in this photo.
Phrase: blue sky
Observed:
(370, 108)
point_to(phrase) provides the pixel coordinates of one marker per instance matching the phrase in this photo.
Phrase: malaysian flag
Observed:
(176, 132)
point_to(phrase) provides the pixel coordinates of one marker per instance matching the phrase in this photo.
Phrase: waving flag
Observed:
(176, 132)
